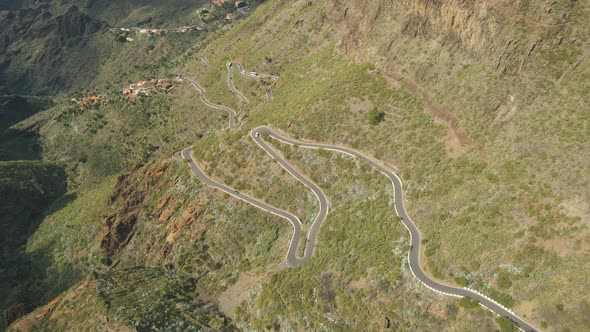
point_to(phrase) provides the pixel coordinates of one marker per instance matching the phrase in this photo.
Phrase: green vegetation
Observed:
(461, 281)
(506, 325)
(376, 117)
(81, 51)
(19, 143)
(243, 159)
(504, 215)
(468, 303)
(92, 146)
(160, 300)
(121, 38)
(306, 105)
(14, 109)
(138, 298)
(344, 277)
(26, 188)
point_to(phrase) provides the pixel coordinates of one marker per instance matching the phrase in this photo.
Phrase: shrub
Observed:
(121, 39)
(504, 280)
(376, 117)
(468, 303)
(505, 324)
(461, 281)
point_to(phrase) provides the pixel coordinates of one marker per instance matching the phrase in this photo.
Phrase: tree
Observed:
(121, 39)
(376, 117)
(506, 325)
(468, 303)
(504, 280)
(461, 281)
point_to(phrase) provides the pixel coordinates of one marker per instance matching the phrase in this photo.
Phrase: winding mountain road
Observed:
(230, 80)
(230, 83)
(292, 260)
(231, 113)
(415, 236)
(204, 57)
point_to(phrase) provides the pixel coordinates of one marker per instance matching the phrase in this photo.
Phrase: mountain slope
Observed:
(27, 188)
(162, 301)
(55, 47)
(483, 112)
(60, 51)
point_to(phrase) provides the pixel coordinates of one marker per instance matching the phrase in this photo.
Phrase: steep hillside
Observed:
(20, 142)
(55, 47)
(68, 51)
(163, 301)
(125, 12)
(498, 151)
(35, 44)
(14, 109)
(481, 106)
(27, 188)
(133, 12)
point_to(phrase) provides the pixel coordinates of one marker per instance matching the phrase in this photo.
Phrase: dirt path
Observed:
(457, 141)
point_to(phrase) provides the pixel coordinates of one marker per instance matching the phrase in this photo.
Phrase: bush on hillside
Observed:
(376, 117)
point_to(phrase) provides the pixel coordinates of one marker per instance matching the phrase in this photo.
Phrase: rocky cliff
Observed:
(436, 49)
(499, 33)
(73, 24)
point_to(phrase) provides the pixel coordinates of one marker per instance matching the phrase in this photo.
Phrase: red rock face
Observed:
(130, 199)
(118, 228)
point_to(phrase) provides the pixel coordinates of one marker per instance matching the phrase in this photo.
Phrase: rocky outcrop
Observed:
(489, 31)
(426, 45)
(161, 221)
(74, 23)
(117, 228)
(188, 217)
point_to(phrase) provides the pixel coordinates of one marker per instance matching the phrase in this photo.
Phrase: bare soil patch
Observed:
(577, 207)
(363, 282)
(526, 308)
(238, 292)
(360, 106)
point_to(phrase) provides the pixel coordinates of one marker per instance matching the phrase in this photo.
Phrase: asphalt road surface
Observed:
(243, 72)
(323, 200)
(292, 260)
(230, 112)
(230, 83)
(415, 237)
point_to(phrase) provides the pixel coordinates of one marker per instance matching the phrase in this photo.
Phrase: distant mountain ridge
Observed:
(35, 43)
(47, 47)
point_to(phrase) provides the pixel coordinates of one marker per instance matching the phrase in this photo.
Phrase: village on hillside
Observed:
(218, 14)
(90, 102)
(134, 91)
